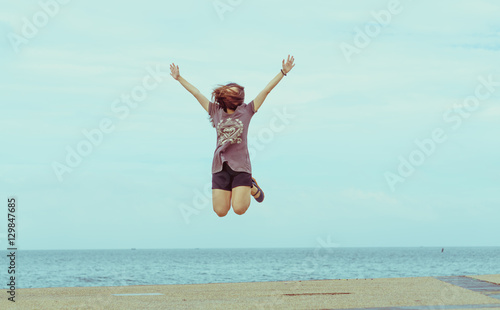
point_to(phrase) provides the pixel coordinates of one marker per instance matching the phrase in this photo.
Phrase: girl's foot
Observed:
(256, 191)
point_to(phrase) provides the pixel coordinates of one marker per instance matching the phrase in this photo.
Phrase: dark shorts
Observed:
(227, 178)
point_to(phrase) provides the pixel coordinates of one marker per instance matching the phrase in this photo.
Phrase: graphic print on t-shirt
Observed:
(229, 131)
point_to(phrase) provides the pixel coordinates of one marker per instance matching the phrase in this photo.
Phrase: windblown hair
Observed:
(226, 98)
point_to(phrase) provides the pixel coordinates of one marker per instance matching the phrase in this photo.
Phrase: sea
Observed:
(83, 268)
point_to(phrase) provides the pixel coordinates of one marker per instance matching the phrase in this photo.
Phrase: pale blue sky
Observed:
(322, 143)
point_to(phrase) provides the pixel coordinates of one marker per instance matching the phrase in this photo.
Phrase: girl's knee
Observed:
(240, 208)
(221, 212)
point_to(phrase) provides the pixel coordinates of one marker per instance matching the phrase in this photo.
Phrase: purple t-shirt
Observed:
(232, 132)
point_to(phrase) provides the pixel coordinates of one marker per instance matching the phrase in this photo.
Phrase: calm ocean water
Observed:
(72, 268)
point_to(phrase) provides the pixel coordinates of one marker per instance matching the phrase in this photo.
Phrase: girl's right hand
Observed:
(174, 71)
(288, 65)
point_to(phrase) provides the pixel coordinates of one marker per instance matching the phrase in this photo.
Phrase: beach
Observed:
(455, 292)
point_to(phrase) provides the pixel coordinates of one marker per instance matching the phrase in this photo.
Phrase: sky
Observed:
(385, 133)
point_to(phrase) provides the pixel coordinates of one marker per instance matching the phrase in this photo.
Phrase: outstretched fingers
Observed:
(289, 63)
(289, 59)
(174, 71)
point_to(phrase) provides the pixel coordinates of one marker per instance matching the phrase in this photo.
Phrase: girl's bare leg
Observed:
(221, 201)
(241, 199)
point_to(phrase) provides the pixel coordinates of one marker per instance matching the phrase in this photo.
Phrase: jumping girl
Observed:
(232, 181)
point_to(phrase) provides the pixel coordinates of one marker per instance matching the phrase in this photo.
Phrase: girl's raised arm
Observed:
(259, 100)
(174, 72)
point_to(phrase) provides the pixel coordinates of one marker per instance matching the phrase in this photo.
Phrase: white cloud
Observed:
(375, 197)
(490, 111)
(380, 204)
(9, 17)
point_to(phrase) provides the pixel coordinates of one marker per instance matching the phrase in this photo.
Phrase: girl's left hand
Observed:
(288, 65)
(174, 71)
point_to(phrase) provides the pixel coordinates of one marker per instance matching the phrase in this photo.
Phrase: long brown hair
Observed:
(227, 98)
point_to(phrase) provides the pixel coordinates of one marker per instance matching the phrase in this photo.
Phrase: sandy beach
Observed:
(467, 292)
